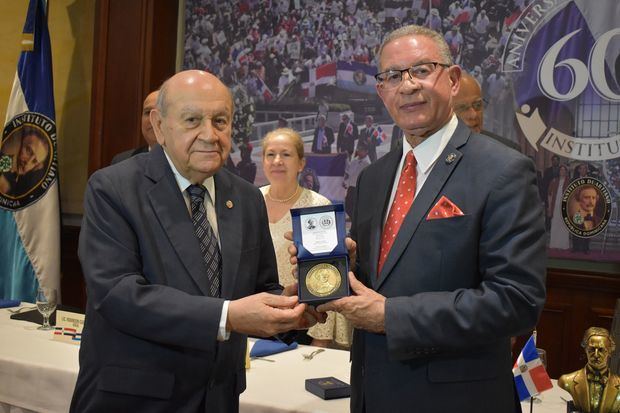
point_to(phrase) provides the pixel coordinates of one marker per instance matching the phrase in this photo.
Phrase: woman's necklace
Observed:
(283, 200)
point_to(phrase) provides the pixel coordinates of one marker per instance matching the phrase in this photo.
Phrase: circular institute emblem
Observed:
(27, 160)
(586, 207)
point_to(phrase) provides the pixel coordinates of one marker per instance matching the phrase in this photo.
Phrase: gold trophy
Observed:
(594, 388)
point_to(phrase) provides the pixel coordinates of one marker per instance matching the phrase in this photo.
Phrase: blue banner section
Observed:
(527, 91)
(14, 261)
(327, 165)
(35, 67)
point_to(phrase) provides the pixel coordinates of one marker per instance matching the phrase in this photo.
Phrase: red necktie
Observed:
(398, 211)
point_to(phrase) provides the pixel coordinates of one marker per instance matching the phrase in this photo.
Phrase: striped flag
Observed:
(356, 77)
(313, 77)
(530, 375)
(29, 205)
(329, 169)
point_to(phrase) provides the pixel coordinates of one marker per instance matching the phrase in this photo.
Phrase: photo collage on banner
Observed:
(549, 72)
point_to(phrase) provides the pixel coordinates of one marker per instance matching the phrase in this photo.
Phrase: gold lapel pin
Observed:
(450, 158)
(229, 204)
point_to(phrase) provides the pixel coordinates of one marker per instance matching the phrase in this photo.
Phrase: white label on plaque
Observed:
(319, 232)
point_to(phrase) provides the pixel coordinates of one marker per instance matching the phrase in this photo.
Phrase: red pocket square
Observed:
(444, 208)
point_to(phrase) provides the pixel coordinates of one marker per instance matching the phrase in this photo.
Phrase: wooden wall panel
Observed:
(135, 50)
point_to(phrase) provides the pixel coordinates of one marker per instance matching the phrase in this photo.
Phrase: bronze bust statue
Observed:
(594, 388)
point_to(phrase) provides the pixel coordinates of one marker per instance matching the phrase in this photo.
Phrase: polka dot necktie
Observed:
(208, 241)
(398, 211)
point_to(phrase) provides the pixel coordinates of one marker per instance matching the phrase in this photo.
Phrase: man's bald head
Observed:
(188, 78)
(468, 103)
(193, 122)
(147, 129)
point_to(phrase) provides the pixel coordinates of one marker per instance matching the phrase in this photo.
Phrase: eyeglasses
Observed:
(392, 78)
(476, 105)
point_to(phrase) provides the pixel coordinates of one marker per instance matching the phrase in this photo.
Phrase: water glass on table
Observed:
(46, 304)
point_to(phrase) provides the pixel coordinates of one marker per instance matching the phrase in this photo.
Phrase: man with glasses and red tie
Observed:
(450, 243)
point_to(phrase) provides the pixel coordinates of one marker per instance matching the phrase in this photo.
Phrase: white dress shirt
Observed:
(426, 155)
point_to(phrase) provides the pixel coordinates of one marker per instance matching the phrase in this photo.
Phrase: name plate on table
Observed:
(68, 327)
(322, 257)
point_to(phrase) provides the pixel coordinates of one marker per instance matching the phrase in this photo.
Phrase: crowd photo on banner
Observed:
(310, 65)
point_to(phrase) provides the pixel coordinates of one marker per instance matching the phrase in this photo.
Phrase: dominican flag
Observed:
(356, 77)
(313, 77)
(530, 375)
(264, 90)
(329, 169)
(379, 135)
(29, 206)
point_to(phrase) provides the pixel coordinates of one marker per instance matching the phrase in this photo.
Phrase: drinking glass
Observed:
(46, 304)
(542, 354)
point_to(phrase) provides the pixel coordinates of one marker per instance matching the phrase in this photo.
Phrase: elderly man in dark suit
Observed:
(347, 135)
(178, 264)
(450, 244)
(323, 137)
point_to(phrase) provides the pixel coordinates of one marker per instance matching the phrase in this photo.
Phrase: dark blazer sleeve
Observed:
(110, 253)
(329, 132)
(511, 267)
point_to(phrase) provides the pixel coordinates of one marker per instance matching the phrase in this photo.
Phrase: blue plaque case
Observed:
(338, 257)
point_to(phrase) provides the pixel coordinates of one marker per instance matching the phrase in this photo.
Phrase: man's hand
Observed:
(311, 316)
(265, 315)
(365, 310)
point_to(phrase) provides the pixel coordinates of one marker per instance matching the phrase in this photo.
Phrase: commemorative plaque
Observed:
(322, 257)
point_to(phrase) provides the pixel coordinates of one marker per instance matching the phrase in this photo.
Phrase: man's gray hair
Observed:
(444, 49)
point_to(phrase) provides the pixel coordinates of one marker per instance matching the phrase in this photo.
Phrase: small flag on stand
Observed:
(29, 200)
(530, 375)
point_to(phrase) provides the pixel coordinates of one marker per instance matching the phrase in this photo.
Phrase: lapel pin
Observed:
(229, 204)
(450, 158)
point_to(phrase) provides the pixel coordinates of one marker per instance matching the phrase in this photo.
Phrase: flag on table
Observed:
(530, 375)
(29, 205)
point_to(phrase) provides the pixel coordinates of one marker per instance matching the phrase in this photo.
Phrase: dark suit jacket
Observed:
(346, 141)
(149, 343)
(128, 154)
(457, 288)
(329, 134)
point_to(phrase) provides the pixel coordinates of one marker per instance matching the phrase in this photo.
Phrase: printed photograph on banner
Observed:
(27, 160)
(548, 73)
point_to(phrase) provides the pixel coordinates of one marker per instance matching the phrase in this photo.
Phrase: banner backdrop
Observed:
(549, 70)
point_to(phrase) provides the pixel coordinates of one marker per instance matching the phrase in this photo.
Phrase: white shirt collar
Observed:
(427, 152)
(184, 183)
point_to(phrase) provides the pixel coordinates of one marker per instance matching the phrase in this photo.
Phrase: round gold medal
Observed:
(323, 280)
